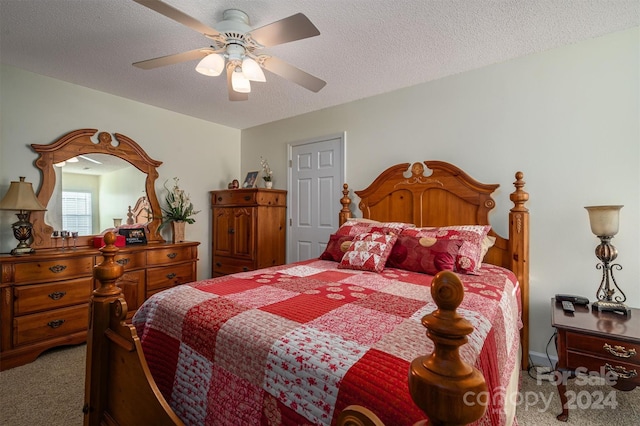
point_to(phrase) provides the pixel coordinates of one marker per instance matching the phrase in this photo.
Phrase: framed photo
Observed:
(133, 235)
(250, 180)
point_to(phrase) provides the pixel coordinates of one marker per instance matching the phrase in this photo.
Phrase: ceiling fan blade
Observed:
(295, 27)
(173, 59)
(233, 95)
(294, 74)
(181, 17)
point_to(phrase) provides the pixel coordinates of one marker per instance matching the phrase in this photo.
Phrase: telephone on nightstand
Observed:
(576, 300)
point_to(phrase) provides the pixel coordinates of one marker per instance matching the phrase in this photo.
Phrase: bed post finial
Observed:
(442, 384)
(345, 212)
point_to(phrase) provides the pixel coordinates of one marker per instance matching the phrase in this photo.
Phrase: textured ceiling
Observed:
(366, 47)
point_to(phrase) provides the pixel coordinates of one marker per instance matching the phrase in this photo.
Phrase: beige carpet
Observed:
(50, 391)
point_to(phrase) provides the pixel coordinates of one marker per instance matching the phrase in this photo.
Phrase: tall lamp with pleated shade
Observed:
(21, 198)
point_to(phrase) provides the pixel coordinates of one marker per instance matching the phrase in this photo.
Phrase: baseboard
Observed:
(540, 359)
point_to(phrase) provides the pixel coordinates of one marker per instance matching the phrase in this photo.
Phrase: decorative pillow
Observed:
(354, 228)
(487, 243)
(368, 252)
(469, 257)
(336, 247)
(424, 254)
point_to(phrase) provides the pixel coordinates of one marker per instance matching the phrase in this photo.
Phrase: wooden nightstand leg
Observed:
(562, 392)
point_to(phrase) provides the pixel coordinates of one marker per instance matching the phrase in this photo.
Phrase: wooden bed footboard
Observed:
(119, 388)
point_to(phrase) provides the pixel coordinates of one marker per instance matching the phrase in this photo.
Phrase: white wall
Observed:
(36, 109)
(568, 118)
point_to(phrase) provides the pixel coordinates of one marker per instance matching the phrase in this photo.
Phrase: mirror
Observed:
(107, 186)
(131, 182)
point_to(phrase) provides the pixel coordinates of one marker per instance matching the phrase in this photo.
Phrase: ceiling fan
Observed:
(235, 46)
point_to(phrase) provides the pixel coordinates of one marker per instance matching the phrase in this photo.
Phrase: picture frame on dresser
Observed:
(250, 180)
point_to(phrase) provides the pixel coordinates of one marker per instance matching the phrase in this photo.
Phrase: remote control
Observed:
(568, 306)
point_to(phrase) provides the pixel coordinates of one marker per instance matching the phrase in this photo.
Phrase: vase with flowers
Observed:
(178, 212)
(267, 173)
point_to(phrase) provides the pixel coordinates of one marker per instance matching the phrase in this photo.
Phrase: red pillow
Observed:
(469, 257)
(368, 252)
(424, 254)
(336, 247)
(355, 228)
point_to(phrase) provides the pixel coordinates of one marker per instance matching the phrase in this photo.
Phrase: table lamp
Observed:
(20, 197)
(604, 222)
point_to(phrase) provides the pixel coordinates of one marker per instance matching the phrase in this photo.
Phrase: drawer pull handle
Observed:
(123, 261)
(232, 231)
(219, 198)
(57, 268)
(619, 351)
(57, 295)
(247, 197)
(172, 255)
(620, 371)
(171, 275)
(245, 269)
(218, 264)
(55, 323)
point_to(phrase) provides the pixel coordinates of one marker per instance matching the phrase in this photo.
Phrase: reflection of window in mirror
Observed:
(113, 185)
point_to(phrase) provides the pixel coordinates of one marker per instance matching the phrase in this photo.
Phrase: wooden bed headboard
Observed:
(448, 196)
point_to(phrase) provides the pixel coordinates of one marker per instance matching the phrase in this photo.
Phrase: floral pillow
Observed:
(336, 247)
(469, 258)
(353, 228)
(368, 252)
(424, 254)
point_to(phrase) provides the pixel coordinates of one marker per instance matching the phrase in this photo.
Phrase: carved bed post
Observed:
(345, 212)
(97, 343)
(442, 384)
(519, 241)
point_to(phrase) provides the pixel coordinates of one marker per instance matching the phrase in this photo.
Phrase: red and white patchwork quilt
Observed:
(296, 344)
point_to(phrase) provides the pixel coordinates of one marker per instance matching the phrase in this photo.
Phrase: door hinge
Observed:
(290, 222)
(290, 163)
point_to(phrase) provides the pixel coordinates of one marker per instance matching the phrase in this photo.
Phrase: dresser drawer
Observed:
(605, 347)
(169, 255)
(169, 276)
(230, 265)
(47, 325)
(128, 260)
(235, 197)
(52, 270)
(40, 297)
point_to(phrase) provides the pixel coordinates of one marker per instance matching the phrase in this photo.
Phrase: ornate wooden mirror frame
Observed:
(79, 142)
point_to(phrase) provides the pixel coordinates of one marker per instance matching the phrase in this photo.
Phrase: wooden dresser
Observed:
(45, 295)
(249, 229)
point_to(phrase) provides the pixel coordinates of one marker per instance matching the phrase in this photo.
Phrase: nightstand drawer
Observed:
(53, 270)
(50, 324)
(40, 297)
(620, 371)
(605, 347)
(169, 276)
(170, 255)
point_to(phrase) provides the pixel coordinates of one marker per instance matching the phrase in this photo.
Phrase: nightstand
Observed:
(605, 343)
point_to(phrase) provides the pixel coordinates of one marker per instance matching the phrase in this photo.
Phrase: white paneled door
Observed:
(315, 189)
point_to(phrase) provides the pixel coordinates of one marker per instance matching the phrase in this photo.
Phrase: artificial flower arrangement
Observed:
(266, 170)
(179, 206)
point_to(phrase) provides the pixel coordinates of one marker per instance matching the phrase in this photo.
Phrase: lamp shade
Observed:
(211, 65)
(240, 83)
(20, 196)
(252, 70)
(604, 220)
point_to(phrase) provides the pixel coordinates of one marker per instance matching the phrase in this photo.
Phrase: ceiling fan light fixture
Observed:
(239, 82)
(211, 65)
(252, 71)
